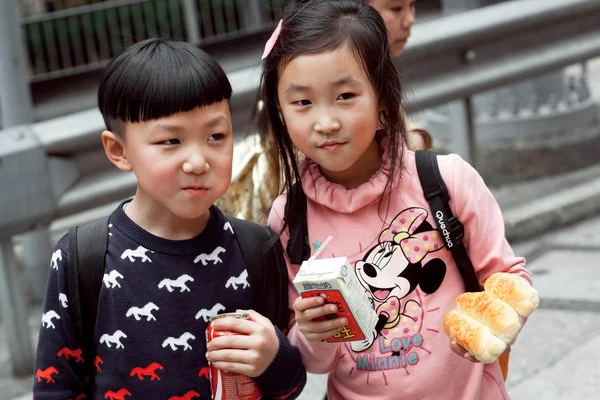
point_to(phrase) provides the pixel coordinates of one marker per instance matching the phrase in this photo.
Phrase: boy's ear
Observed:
(115, 150)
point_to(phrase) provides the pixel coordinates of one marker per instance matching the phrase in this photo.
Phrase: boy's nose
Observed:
(196, 167)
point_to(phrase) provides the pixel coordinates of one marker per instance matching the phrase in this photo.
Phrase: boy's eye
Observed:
(216, 137)
(396, 9)
(302, 103)
(346, 96)
(170, 142)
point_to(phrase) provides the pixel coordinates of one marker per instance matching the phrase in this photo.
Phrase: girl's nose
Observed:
(409, 19)
(327, 125)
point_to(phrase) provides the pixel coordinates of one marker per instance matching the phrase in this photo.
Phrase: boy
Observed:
(172, 259)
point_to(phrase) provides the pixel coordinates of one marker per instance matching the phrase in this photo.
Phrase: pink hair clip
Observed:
(272, 40)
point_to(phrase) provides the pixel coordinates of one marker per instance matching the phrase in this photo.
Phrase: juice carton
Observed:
(335, 281)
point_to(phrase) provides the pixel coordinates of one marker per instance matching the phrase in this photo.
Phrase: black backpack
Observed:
(261, 250)
(436, 193)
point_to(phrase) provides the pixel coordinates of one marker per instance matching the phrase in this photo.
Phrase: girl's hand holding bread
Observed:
(485, 323)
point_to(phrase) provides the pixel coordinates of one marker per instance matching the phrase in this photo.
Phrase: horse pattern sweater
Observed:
(156, 299)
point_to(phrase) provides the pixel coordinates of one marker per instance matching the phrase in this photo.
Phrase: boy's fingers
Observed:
(238, 368)
(241, 326)
(231, 342)
(230, 355)
(257, 317)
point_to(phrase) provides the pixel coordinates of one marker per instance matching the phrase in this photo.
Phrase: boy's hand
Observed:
(313, 307)
(458, 349)
(251, 351)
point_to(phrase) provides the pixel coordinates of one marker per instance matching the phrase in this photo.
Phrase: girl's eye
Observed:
(216, 137)
(170, 142)
(302, 103)
(346, 96)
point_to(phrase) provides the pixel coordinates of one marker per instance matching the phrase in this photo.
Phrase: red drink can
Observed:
(229, 385)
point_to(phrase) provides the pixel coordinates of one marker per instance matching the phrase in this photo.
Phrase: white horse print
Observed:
(228, 227)
(179, 282)
(145, 311)
(182, 341)
(238, 280)
(140, 252)
(47, 318)
(64, 301)
(214, 257)
(206, 314)
(110, 280)
(56, 257)
(114, 338)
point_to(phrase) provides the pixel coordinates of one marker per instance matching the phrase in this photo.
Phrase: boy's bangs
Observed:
(160, 82)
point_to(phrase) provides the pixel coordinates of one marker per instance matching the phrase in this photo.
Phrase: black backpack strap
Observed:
(298, 247)
(87, 252)
(267, 270)
(450, 228)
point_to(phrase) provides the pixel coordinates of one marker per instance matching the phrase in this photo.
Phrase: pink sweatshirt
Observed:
(410, 278)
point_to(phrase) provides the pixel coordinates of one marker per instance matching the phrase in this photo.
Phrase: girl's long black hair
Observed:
(318, 26)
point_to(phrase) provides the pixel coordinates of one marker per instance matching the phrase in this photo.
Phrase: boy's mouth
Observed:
(195, 190)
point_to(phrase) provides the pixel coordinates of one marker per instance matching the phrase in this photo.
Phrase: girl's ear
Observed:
(114, 147)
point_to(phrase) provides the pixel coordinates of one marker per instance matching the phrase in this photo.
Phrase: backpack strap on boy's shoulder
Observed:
(450, 228)
(267, 270)
(298, 246)
(87, 251)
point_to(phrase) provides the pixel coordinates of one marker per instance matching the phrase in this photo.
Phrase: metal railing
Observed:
(447, 59)
(86, 37)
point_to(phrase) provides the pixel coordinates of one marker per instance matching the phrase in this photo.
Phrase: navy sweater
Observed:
(155, 301)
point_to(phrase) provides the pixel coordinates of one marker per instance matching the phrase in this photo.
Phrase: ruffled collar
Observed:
(336, 196)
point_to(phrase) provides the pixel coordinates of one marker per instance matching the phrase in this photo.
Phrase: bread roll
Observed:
(475, 337)
(498, 316)
(514, 290)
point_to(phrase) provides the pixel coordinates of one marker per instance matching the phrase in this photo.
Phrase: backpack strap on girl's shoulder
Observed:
(298, 247)
(449, 227)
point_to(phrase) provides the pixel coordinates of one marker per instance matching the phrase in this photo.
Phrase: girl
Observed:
(253, 189)
(332, 101)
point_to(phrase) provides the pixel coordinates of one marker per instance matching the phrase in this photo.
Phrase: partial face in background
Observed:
(182, 162)
(399, 17)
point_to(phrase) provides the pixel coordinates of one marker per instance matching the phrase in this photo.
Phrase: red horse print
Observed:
(97, 363)
(68, 353)
(150, 371)
(46, 374)
(204, 372)
(118, 395)
(188, 396)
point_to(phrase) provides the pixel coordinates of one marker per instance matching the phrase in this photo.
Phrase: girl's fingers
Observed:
(323, 326)
(320, 336)
(316, 312)
(458, 349)
(302, 304)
